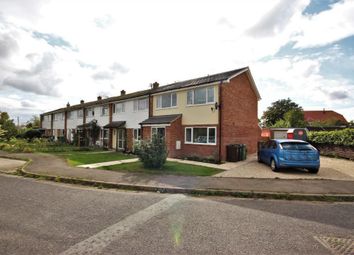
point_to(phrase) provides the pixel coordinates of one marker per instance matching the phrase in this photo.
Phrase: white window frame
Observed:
(119, 107)
(159, 101)
(137, 105)
(90, 112)
(137, 134)
(155, 127)
(80, 114)
(206, 95)
(192, 131)
(69, 115)
(58, 116)
(103, 112)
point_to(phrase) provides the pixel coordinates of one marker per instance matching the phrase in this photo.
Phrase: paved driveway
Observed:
(331, 168)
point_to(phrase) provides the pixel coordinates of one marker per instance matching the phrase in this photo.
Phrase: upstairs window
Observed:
(104, 110)
(90, 112)
(200, 96)
(166, 100)
(70, 115)
(80, 114)
(120, 107)
(141, 104)
(58, 116)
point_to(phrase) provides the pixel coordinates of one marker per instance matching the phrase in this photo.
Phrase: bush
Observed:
(152, 153)
(337, 137)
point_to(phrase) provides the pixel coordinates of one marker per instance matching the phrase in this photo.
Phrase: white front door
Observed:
(121, 139)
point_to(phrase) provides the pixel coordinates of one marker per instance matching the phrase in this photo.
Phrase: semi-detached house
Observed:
(197, 117)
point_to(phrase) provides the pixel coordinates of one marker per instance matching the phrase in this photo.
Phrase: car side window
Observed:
(268, 144)
(274, 145)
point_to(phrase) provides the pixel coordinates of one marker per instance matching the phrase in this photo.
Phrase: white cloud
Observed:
(130, 44)
(327, 27)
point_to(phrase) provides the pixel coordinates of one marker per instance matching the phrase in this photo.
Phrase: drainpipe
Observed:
(219, 118)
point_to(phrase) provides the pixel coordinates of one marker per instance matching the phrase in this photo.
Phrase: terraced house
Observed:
(197, 117)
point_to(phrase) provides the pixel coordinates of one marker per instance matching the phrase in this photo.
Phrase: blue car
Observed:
(286, 153)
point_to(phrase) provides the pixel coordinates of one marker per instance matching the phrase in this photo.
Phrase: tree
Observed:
(277, 110)
(34, 122)
(2, 133)
(7, 125)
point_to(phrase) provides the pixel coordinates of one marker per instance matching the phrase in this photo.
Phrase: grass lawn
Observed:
(172, 168)
(76, 158)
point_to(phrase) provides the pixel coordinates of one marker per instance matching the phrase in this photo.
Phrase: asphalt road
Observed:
(38, 217)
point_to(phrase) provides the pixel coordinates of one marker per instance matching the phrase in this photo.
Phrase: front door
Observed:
(121, 139)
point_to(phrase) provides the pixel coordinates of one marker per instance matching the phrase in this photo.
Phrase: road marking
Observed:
(337, 245)
(101, 240)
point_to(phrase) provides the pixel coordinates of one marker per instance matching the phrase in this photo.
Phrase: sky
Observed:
(55, 52)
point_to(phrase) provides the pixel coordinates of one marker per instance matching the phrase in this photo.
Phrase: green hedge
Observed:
(338, 137)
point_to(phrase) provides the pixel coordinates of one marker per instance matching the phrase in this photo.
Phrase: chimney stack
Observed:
(99, 98)
(324, 110)
(155, 85)
(122, 92)
(68, 104)
(82, 101)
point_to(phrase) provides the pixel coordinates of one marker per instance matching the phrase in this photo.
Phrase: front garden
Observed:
(170, 168)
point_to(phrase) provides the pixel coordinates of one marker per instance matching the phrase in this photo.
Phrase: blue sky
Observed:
(54, 52)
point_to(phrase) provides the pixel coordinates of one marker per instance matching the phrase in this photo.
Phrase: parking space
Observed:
(331, 168)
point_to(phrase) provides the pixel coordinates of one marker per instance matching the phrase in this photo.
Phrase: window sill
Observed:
(166, 108)
(191, 105)
(188, 143)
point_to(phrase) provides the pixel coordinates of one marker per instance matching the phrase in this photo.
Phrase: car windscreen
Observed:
(296, 146)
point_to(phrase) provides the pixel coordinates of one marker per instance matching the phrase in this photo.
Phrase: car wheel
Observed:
(273, 165)
(259, 158)
(313, 170)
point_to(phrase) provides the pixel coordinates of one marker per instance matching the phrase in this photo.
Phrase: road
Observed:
(39, 217)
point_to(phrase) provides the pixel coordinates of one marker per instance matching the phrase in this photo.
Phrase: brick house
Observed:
(197, 117)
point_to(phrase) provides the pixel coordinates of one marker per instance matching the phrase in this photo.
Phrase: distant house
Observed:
(325, 117)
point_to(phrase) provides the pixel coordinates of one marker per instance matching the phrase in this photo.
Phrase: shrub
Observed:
(152, 153)
(337, 137)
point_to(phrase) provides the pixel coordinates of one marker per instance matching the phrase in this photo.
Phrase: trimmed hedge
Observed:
(343, 137)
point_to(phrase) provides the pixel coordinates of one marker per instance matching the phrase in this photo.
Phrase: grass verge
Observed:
(75, 158)
(171, 168)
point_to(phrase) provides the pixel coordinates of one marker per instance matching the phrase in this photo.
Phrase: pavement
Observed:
(50, 165)
(9, 165)
(40, 217)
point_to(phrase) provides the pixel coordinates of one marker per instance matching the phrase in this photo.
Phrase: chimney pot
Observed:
(82, 101)
(68, 104)
(155, 85)
(122, 92)
(99, 98)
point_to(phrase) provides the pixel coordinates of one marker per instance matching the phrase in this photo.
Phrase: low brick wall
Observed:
(336, 150)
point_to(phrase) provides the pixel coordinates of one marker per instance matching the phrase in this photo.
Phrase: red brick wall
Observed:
(336, 150)
(146, 133)
(239, 119)
(200, 151)
(130, 138)
(174, 133)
